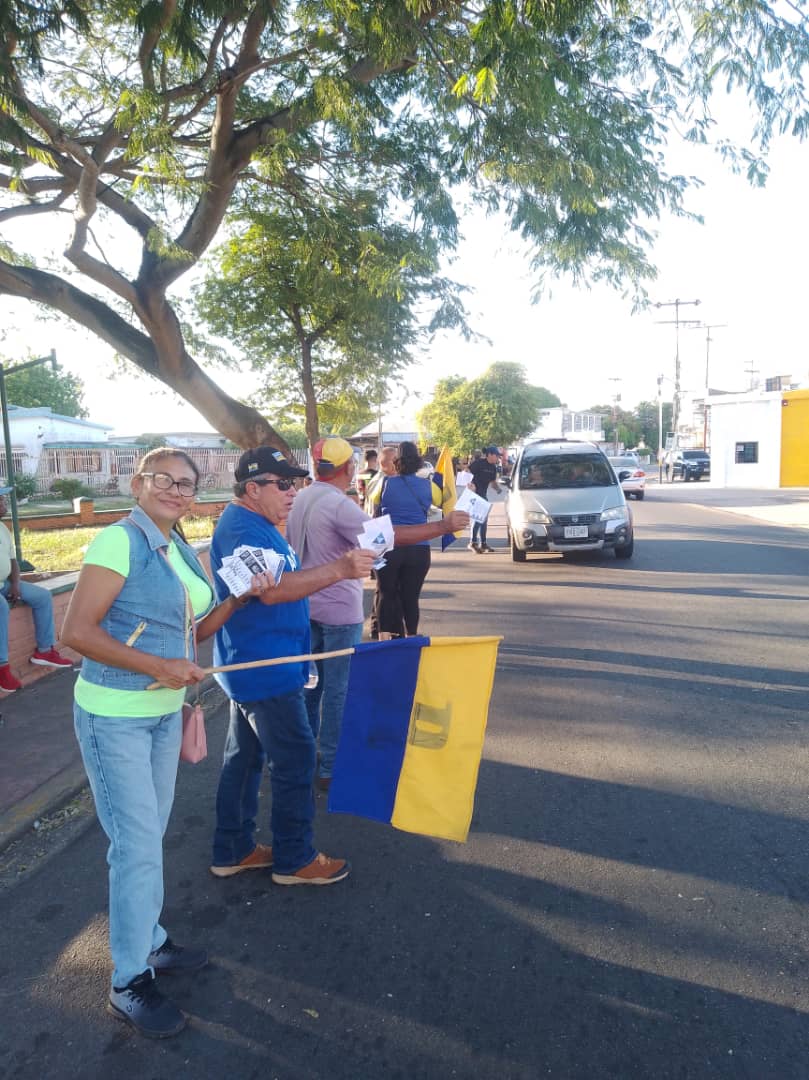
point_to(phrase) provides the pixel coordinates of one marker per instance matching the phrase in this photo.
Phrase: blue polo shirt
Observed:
(258, 631)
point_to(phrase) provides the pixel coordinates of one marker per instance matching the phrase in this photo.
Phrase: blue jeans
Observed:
(479, 532)
(41, 605)
(276, 730)
(131, 763)
(325, 702)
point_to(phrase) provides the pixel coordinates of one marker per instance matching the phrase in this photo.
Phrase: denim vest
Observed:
(150, 612)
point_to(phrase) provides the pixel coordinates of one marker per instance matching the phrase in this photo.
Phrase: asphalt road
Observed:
(633, 898)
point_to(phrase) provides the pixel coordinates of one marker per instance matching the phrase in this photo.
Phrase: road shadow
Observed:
(495, 959)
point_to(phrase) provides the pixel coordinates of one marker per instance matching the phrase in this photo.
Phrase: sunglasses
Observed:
(283, 484)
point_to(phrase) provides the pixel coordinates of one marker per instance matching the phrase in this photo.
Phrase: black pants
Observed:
(399, 583)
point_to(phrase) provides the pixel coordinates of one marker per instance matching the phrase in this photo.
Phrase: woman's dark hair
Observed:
(409, 459)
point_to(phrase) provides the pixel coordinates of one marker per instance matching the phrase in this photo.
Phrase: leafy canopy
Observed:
(42, 386)
(498, 407)
(137, 125)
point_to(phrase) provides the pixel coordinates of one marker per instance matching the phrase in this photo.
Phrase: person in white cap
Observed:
(15, 591)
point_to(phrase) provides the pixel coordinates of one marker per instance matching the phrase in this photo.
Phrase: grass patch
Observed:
(62, 550)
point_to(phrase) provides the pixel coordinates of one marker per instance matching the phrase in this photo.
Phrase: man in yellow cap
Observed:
(323, 524)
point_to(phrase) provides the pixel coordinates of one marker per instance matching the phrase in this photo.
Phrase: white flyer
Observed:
(237, 570)
(477, 507)
(377, 536)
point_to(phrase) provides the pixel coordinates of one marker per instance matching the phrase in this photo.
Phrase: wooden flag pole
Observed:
(269, 663)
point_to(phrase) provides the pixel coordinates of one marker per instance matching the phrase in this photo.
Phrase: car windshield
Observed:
(693, 454)
(542, 472)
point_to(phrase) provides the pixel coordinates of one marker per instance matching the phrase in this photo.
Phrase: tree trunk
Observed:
(161, 355)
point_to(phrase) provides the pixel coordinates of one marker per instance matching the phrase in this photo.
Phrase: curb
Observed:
(59, 790)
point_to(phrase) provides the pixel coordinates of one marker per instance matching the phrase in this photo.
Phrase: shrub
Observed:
(69, 488)
(25, 485)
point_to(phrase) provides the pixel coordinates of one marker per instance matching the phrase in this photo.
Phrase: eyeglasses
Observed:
(163, 482)
(283, 484)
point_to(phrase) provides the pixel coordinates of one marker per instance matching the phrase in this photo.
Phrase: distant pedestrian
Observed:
(131, 616)
(407, 497)
(14, 591)
(484, 475)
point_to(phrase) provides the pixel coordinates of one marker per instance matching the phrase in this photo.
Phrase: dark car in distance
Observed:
(690, 465)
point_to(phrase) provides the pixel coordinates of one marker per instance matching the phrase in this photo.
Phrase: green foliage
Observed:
(25, 485)
(635, 425)
(323, 296)
(40, 386)
(146, 122)
(67, 487)
(498, 407)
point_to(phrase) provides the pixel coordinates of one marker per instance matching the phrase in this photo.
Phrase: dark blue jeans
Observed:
(479, 531)
(325, 702)
(286, 742)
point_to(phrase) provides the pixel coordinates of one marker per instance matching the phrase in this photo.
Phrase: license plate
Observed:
(575, 532)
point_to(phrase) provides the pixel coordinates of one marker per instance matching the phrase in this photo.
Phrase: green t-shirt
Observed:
(110, 549)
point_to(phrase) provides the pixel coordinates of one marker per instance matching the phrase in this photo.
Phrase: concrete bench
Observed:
(21, 640)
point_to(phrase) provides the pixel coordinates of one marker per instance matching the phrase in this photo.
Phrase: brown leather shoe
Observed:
(320, 871)
(260, 858)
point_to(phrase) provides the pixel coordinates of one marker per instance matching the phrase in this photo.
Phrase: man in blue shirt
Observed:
(268, 719)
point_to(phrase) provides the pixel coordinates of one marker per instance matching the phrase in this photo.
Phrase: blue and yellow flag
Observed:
(444, 480)
(412, 735)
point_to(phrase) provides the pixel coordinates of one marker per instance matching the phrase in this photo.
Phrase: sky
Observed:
(746, 266)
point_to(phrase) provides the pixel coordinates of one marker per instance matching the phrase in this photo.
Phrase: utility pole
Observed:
(616, 397)
(4, 371)
(708, 339)
(678, 322)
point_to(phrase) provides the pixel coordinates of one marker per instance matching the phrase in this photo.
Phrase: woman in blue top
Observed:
(407, 498)
(130, 617)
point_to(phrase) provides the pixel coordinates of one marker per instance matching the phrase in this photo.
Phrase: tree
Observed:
(137, 124)
(344, 279)
(45, 386)
(634, 425)
(498, 407)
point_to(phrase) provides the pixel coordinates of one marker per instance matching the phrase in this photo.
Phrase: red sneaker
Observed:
(8, 680)
(50, 658)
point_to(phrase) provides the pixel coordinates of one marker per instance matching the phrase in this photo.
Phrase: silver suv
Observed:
(564, 496)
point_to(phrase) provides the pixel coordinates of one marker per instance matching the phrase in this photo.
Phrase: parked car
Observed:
(564, 496)
(688, 464)
(630, 475)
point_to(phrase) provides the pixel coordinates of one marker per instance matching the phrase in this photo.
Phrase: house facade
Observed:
(760, 439)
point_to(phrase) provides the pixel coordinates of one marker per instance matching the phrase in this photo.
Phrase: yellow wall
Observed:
(795, 438)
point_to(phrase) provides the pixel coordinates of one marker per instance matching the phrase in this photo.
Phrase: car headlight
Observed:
(539, 517)
(614, 513)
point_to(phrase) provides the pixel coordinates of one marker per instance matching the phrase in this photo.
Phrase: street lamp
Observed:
(15, 518)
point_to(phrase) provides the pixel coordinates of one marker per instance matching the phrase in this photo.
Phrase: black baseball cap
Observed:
(265, 459)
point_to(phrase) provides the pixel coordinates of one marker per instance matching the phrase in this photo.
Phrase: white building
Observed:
(760, 439)
(564, 423)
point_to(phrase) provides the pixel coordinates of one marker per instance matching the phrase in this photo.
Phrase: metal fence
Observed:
(107, 470)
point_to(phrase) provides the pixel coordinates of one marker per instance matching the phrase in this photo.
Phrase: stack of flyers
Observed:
(237, 570)
(377, 536)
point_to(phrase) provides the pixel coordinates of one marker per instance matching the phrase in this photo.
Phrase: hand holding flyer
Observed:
(477, 507)
(237, 570)
(377, 536)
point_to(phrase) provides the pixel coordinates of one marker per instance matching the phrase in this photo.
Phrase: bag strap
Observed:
(424, 509)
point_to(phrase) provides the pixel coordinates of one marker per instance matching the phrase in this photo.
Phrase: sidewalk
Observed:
(40, 763)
